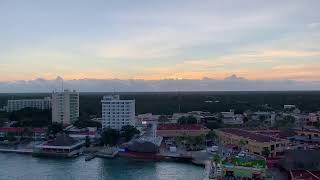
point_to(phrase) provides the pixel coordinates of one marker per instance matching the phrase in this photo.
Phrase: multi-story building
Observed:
(232, 119)
(16, 105)
(117, 113)
(252, 142)
(65, 107)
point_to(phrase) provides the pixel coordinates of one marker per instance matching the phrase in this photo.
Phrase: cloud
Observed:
(231, 83)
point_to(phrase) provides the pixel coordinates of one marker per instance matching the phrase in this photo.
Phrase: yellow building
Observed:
(252, 142)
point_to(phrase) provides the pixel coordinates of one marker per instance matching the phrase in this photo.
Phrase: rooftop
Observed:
(180, 127)
(302, 175)
(20, 130)
(249, 135)
(11, 129)
(61, 140)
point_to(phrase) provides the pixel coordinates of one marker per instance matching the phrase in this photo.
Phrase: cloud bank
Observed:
(231, 83)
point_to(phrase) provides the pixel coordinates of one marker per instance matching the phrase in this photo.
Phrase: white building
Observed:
(65, 107)
(289, 106)
(16, 105)
(117, 113)
(232, 119)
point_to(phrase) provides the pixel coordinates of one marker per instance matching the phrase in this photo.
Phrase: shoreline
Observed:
(137, 156)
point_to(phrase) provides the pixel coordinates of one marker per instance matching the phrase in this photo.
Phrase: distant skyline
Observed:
(271, 41)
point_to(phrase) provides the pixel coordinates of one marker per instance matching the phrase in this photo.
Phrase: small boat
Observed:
(89, 157)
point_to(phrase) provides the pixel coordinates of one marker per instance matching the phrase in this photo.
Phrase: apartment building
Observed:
(117, 113)
(16, 105)
(65, 107)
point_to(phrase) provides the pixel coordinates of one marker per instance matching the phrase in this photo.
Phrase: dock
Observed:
(19, 151)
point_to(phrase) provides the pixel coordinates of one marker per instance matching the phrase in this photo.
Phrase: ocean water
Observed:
(26, 167)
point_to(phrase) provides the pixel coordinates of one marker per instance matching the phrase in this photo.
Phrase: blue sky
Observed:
(258, 40)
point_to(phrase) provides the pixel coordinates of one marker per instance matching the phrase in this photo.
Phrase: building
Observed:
(301, 164)
(61, 146)
(178, 130)
(19, 132)
(82, 134)
(144, 118)
(232, 119)
(252, 142)
(117, 113)
(244, 166)
(289, 106)
(65, 107)
(310, 133)
(16, 105)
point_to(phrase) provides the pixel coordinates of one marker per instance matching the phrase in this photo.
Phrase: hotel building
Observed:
(252, 142)
(16, 105)
(65, 107)
(117, 113)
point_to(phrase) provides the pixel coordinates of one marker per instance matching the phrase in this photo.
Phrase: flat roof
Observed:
(180, 127)
(249, 135)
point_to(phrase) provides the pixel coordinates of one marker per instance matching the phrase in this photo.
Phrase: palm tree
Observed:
(242, 143)
(265, 152)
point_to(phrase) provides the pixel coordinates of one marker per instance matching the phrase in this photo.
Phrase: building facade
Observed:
(231, 118)
(16, 105)
(117, 113)
(252, 142)
(65, 107)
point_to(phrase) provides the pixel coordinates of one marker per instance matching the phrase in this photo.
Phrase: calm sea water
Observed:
(25, 167)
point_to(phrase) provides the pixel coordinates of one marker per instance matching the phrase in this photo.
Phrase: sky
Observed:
(156, 40)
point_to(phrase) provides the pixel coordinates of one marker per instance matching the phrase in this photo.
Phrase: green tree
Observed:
(211, 135)
(216, 158)
(10, 137)
(110, 136)
(187, 120)
(128, 132)
(87, 143)
(86, 123)
(163, 119)
(265, 152)
(242, 143)
(54, 128)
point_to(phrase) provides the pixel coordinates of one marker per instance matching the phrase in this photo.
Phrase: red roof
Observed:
(20, 130)
(11, 129)
(303, 175)
(180, 127)
(39, 130)
(250, 135)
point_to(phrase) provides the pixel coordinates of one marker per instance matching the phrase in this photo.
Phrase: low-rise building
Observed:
(244, 166)
(83, 133)
(231, 118)
(16, 105)
(252, 142)
(61, 146)
(19, 132)
(310, 133)
(289, 106)
(177, 130)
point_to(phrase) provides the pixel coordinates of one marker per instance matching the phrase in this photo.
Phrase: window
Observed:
(272, 147)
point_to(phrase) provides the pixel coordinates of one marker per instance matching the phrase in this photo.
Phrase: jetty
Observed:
(19, 151)
(90, 157)
(108, 152)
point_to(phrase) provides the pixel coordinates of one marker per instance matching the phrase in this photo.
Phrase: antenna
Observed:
(62, 85)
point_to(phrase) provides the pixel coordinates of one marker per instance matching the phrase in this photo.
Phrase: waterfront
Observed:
(24, 167)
